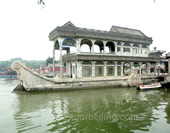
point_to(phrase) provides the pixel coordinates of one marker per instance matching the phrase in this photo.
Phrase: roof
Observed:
(168, 54)
(116, 33)
(158, 51)
(129, 31)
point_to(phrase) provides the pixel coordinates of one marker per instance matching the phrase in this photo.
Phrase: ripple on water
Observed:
(96, 110)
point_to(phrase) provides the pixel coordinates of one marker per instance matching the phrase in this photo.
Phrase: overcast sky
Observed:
(25, 26)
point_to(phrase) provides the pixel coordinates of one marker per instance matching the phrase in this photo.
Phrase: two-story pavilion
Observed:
(96, 53)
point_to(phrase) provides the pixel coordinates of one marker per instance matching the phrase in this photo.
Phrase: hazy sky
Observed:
(25, 26)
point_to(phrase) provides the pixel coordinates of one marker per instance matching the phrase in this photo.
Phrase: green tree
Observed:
(49, 60)
(30, 63)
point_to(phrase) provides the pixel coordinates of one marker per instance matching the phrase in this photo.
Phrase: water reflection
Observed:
(167, 109)
(97, 110)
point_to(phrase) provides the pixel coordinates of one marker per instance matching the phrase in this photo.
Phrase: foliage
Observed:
(29, 63)
(32, 63)
(49, 60)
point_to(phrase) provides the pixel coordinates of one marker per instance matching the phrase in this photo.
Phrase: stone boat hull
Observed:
(33, 81)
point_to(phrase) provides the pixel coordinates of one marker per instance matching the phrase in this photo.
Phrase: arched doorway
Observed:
(111, 47)
(85, 42)
(100, 48)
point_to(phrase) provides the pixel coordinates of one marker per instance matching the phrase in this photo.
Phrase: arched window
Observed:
(85, 45)
(110, 63)
(99, 63)
(86, 63)
(100, 47)
(127, 44)
(144, 46)
(85, 48)
(119, 63)
(96, 49)
(111, 47)
(135, 48)
(136, 45)
(119, 44)
(126, 48)
(144, 49)
(56, 45)
(69, 42)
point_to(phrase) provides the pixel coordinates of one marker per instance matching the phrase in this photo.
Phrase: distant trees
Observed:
(31, 63)
(49, 60)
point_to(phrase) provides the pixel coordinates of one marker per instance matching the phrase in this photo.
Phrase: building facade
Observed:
(96, 53)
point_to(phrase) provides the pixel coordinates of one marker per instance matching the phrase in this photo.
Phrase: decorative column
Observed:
(115, 47)
(73, 70)
(131, 48)
(77, 69)
(131, 67)
(148, 49)
(121, 49)
(92, 46)
(140, 49)
(80, 69)
(155, 68)
(54, 60)
(93, 68)
(105, 68)
(115, 68)
(68, 68)
(61, 58)
(148, 67)
(104, 47)
(122, 68)
(140, 68)
(78, 41)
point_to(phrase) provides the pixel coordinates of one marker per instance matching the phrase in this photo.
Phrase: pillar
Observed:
(73, 70)
(115, 47)
(148, 49)
(92, 46)
(115, 68)
(93, 68)
(68, 68)
(122, 68)
(131, 48)
(131, 67)
(148, 68)
(155, 68)
(80, 69)
(140, 68)
(61, 58)
(104, 47)
(121, 49)
(54, 60)
(140, 49)
(105, 68)
(78, 50)
(77, 69)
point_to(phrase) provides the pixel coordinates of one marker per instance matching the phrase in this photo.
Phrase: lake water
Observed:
(107, 110)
